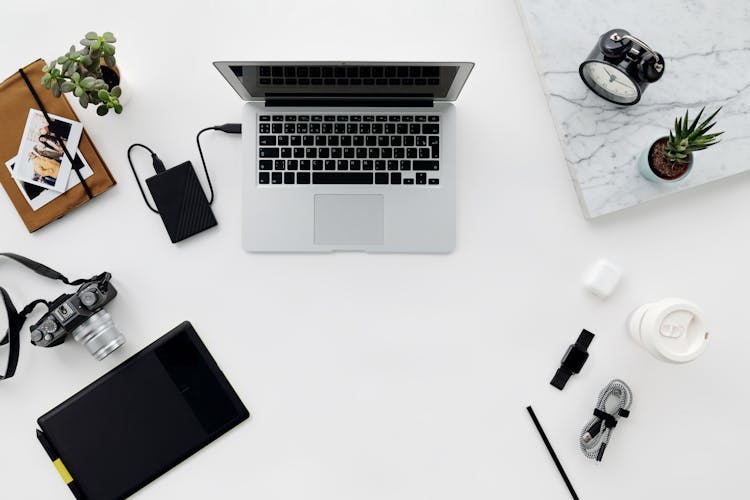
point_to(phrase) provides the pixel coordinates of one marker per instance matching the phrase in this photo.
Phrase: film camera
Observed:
(82, 315)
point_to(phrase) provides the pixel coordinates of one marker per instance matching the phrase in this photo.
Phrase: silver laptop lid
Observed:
(258, 81)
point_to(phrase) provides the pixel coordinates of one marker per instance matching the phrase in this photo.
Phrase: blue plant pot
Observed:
(645, 168)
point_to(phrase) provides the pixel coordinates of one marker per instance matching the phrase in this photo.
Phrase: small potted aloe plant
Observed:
(90, 73)
(669, 159)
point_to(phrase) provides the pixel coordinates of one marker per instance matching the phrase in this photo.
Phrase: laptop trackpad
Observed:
(348, 219)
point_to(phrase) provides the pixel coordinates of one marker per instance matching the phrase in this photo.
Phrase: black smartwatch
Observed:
(573, 360)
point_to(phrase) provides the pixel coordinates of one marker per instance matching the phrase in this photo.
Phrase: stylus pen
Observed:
(552, 453)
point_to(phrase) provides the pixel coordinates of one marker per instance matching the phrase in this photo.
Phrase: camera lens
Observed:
(99, 335)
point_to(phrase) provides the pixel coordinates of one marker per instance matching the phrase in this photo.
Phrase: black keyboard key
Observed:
(367, 164)
(342, 165)
(373, 153)
(404, 165)
(342, 178)
(389, 128)
(358, 140)
(311, 153)
(351, 128)
(398, 152)
(383, 141)
(304, 165)
(316, 118)
(409, 140)
(355, 118)
(421, 140)
(283, 140)
(291, 164)
(268, 152)
(342, 118)
(286, 152)
(333, 140)
(386, 153)
(330, 165)
(414, 128)
(395, 140)
(346, 140)
(304, 118)
(425, 165)
(264, 128)
(276, 128)
(317, 164)
(265, 165)
(379, 164)
(336, 152)
(361, 152)
(402, 129)
(289, 128)
(296, 140)
(421, 178)
(392, 164)
(339, 128)
(364, 128)
(381, 178)
(299, 152)
(288, 177)
(308, 140)
(355, 165)
(302, 128)
(407, 118)
(411, 152)
(433, 118)
(371, 140)
(396, 178)
(369, 118)
(421, 118)
(381, 118)
(434, 182)
(348, 152)
(324, 152)
(314, 128)
(327, 128)
(264, 178)
(329, 118)
(278, 118)
(320, 140)
(264, 118)
(279, 165)
(408, 181)
(290, 118)
(430, 128)
(276, 178)
(377, 128)
(394, 118)
(303, 178)
(424, 152)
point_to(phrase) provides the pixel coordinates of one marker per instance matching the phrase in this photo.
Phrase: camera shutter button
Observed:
(88, 299)
(48, 337)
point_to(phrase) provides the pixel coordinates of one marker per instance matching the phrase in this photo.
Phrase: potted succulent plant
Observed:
(90, 73)
(670, 158)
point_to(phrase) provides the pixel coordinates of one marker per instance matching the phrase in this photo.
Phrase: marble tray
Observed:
(706, 46)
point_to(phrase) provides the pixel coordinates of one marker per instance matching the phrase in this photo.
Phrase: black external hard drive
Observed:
(141, 419)
(181, 202)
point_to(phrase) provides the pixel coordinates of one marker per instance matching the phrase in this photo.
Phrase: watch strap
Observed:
(561, 378)
(584, 339)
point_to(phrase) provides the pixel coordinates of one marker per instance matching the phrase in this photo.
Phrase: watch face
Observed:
(574, 359)
(609, 82)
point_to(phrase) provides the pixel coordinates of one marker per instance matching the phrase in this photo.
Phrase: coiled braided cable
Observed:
(614, 402)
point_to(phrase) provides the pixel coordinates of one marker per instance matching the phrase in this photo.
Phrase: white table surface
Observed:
(387, 376)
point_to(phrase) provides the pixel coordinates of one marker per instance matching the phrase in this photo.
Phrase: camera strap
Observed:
(16, 319)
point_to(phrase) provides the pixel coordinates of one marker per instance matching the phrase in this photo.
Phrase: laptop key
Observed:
(392, 164)
(264, 118)
(398, 152)
(330, 165)
(421, 141)
(336, 152)
(405, 165)
(425, 165)
(323, 152)
(358, 140)
(264, 178)
(276, 128)
(333, 140)
(317, 164)
(308, 140)
(367, 164)
(421, 118)
(408, 181)
(379, 164)
(396, 178)
(381, 178)
(421, 178)
(291, 165)
(276, 178)
(348, 152)
(361, 152)
(264, 128)
(342, 178)
(279, 165)
(268, 152)
(303, 178)
(304, 165)
(265, 165)
(355, 165)
(434, 182)
(433, 118)
(430, 128)
(342, 165)
(288, 177)
(411, 152)
(286, 152)
(424, 152)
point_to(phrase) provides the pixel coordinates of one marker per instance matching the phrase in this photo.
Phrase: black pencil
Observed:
(552, 453)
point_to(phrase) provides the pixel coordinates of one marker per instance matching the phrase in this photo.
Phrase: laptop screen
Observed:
(439, 81)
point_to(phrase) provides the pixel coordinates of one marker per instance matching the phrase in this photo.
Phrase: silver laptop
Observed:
(351, 156)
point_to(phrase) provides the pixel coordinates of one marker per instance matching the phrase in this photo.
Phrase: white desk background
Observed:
(386, 376)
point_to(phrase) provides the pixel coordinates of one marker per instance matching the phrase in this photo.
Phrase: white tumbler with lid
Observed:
(672, 329)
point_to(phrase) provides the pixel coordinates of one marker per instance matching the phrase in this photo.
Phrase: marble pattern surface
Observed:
(706, 46)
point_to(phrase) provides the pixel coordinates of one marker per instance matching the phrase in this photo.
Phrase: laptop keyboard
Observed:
(352, 149)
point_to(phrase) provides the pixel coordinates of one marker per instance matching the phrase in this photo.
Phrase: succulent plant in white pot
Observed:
(90, 73)
(670, 158)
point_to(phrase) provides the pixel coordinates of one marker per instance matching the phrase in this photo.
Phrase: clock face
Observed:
(615, 84)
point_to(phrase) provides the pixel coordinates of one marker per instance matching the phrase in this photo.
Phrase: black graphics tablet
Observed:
(141, 419)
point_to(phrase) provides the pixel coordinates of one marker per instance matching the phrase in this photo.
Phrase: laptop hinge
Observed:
(353, 102)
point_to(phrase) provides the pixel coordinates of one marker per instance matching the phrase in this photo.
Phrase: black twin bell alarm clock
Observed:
(620, 67)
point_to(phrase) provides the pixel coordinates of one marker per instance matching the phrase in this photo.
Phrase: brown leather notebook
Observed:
(15, 101)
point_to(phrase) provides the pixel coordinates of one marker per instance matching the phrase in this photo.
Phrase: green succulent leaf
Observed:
(116, 91)
(88, 82)
(67, 87)
(83, 99)
(689, 137)
(56, 89)
(78, 92)
(91, 35)
(108, 49)
(118, 108)
(103, 95)
(96, 45)
(102, 110)
(109, 37)
(109, 60)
